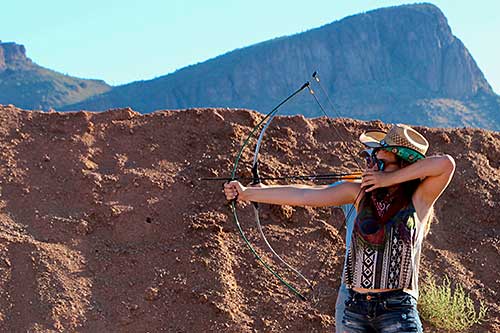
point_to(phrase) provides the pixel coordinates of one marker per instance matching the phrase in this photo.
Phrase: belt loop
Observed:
(352, 294)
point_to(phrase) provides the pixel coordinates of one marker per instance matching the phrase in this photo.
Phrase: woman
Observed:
(395, 203)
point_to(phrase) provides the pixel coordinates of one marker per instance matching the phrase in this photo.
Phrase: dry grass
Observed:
(449, 307)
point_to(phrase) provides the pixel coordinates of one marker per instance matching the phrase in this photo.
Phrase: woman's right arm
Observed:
(294, 195)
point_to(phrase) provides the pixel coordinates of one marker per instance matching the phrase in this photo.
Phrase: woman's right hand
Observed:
(234, 190)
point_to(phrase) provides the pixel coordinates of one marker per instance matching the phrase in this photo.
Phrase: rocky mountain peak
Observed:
(413, 42)
(13, 55)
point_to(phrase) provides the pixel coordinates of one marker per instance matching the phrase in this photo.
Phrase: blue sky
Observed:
(124, 41)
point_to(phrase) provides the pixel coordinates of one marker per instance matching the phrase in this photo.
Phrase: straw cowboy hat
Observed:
(401, 140)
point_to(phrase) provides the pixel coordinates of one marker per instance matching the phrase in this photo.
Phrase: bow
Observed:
(256, 180)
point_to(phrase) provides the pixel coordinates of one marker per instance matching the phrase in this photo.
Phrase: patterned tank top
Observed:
(395, 265)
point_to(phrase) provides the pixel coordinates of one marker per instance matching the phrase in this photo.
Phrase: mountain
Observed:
(398, 64)
(28, 85)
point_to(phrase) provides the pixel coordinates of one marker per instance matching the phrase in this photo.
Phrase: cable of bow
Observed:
(316, 78)
(347, 216)
(233, 202)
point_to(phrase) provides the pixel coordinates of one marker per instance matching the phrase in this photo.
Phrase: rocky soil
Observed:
(105, 225)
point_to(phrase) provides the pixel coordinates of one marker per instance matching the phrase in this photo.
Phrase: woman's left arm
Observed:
(436, 172)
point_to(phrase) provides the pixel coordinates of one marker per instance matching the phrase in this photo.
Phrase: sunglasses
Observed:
(372, 160)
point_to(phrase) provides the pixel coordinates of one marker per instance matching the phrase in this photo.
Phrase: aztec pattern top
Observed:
(394, 265)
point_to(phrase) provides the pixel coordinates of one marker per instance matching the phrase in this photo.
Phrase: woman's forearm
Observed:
(303, 195)
(433, 166)
(294, 195)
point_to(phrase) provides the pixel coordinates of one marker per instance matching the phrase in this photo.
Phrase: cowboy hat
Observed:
(401, 140)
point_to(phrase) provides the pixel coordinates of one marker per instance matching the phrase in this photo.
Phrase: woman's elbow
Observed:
(448, 164)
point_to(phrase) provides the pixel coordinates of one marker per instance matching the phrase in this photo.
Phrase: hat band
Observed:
(407, 154)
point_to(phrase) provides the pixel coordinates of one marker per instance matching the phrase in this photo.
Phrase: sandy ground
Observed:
(105, 225)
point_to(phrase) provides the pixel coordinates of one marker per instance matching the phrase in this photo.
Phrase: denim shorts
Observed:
(385, 312)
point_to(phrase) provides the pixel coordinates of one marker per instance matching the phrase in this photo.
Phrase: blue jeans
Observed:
(342, 297)
(386, 312)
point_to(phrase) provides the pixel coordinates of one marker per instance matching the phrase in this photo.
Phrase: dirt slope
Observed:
(106, 227)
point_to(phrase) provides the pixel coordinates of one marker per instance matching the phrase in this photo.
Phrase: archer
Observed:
(394, 201)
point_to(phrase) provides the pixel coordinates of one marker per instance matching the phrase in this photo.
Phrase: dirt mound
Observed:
(106, 227)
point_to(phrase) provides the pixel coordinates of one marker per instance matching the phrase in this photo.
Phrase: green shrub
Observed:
(448, 308)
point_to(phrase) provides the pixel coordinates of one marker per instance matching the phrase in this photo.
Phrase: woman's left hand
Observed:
(374, 179)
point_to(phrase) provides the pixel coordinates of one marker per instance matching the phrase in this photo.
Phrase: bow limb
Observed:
(285, 283)
(233, 202)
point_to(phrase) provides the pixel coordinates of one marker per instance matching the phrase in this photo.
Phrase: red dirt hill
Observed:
(106, 227)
